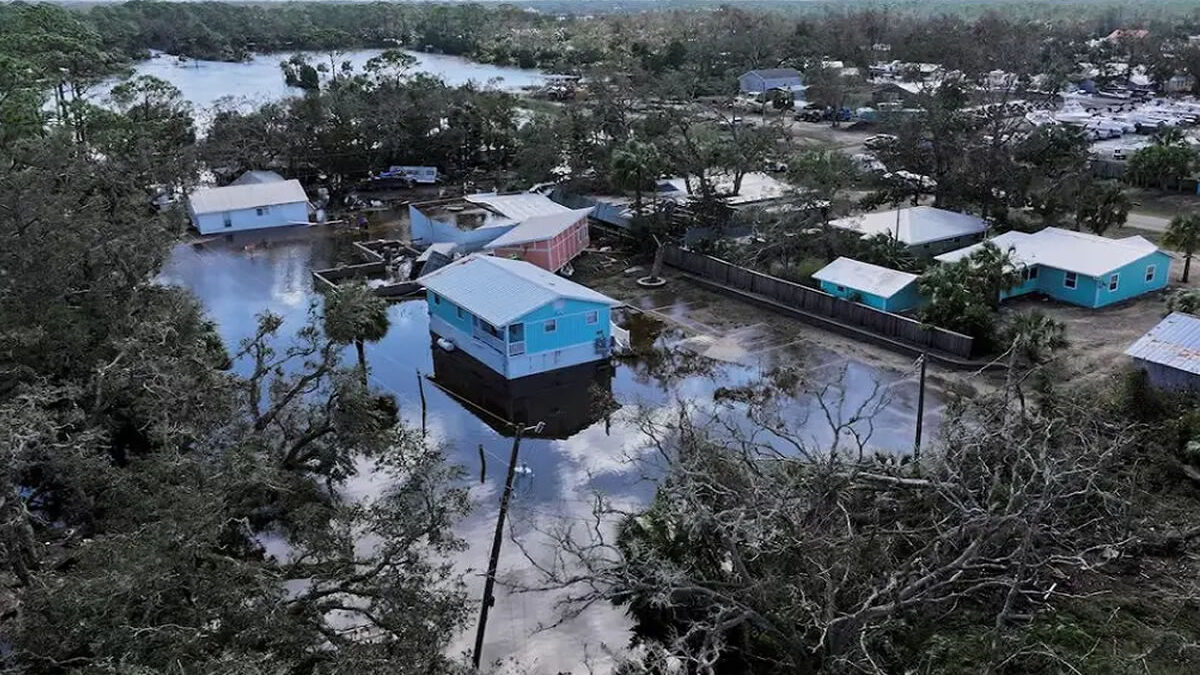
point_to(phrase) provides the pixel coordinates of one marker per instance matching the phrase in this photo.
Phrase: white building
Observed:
(248, 206)
(924, 229)
(766, 79)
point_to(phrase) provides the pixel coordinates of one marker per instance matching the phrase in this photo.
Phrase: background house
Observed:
(549, 241)
(525, 225)
(248, 206)
(1170, 353)
(1079, 268)
(872, 285)
(517, 318)
(924, 229)
(766, 79)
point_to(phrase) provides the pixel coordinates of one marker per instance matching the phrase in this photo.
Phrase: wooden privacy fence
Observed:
(811, 301)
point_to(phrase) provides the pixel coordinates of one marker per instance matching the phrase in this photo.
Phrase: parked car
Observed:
(868, 163)
(879, 141)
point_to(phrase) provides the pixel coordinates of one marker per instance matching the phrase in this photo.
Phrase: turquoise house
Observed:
(515, 317)
(874, 286)
(1079, 268)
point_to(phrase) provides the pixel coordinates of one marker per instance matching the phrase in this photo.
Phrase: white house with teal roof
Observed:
(515, 317)
(1079, 268)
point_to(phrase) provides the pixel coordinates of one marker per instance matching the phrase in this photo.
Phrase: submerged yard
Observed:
(694, 347)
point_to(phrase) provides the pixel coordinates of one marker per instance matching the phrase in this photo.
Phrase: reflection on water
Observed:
(260, 80)
(586, 447)
(565, 401)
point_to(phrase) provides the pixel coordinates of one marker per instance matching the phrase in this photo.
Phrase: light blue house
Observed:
(766, 79)
(515, 317)
(874, 286)
(473, 221)
(248, 206)
(1078, 268)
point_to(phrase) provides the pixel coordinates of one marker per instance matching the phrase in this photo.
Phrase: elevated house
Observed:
(1170, 353)
(525, 226)
(249, 205)
(765, 79)
(515, 317)
(1079, 268)
(925, 230)
(872, 285)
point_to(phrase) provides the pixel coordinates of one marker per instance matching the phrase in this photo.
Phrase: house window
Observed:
(1069, 280)
(437, 299)
(228, 220)
(582, 234)
(262, 211)
(593, 317)
(1029, 274)
(1150, 271)
(459, 311)
(550, 326)
(1113, 282)
(841, 289)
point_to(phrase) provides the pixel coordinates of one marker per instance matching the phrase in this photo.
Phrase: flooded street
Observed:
(590, 434)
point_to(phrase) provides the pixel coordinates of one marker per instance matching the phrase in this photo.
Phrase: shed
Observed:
(248, 206)
(1170, 353)
(766, 79)
(549, 241)
(257, 178)
(872, 285)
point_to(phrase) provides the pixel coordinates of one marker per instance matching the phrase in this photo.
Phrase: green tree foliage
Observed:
(160, 510)
(635, 166)
(1165, 163)
(355, 315)
(1101, 206)
(963, 296)
(1183, 235)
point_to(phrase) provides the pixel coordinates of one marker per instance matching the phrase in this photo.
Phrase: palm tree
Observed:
(1183, 234)
(1032, 339)
(632, 164)
(354, 314)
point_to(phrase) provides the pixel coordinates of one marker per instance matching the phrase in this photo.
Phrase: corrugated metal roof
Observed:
(865, 277)
(914, 226)
(518, 206)
(1070, 251)
(237, 197)
(539, 228)
(1174, 342)
(501, 291)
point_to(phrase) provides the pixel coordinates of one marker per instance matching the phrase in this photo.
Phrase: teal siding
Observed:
(1131, 280)
(905, 299)
(570, 317)
(1051, 282)
(908, 298)
(571, 326)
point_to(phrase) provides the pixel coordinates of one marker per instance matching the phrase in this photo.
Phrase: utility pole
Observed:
(489, 583)
(920, 409)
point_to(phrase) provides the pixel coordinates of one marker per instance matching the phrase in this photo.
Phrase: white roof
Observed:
(501, 291)
(254, 195)
(914, 226)
(1174, 342)
(539, 228)
(865, 277)
(1070, 251)
(518, 206)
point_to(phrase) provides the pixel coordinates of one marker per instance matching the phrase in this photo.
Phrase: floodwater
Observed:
(585, 449)
(260, 80)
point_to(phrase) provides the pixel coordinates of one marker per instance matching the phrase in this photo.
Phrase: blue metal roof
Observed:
(1174, 342)
(500, 291)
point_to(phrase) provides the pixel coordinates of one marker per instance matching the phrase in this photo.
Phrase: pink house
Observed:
(549, 241)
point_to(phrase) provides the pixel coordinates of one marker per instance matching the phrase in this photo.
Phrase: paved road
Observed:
(1147, 221)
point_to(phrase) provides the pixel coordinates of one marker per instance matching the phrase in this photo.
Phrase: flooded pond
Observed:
(259, 80)
(589, 437)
